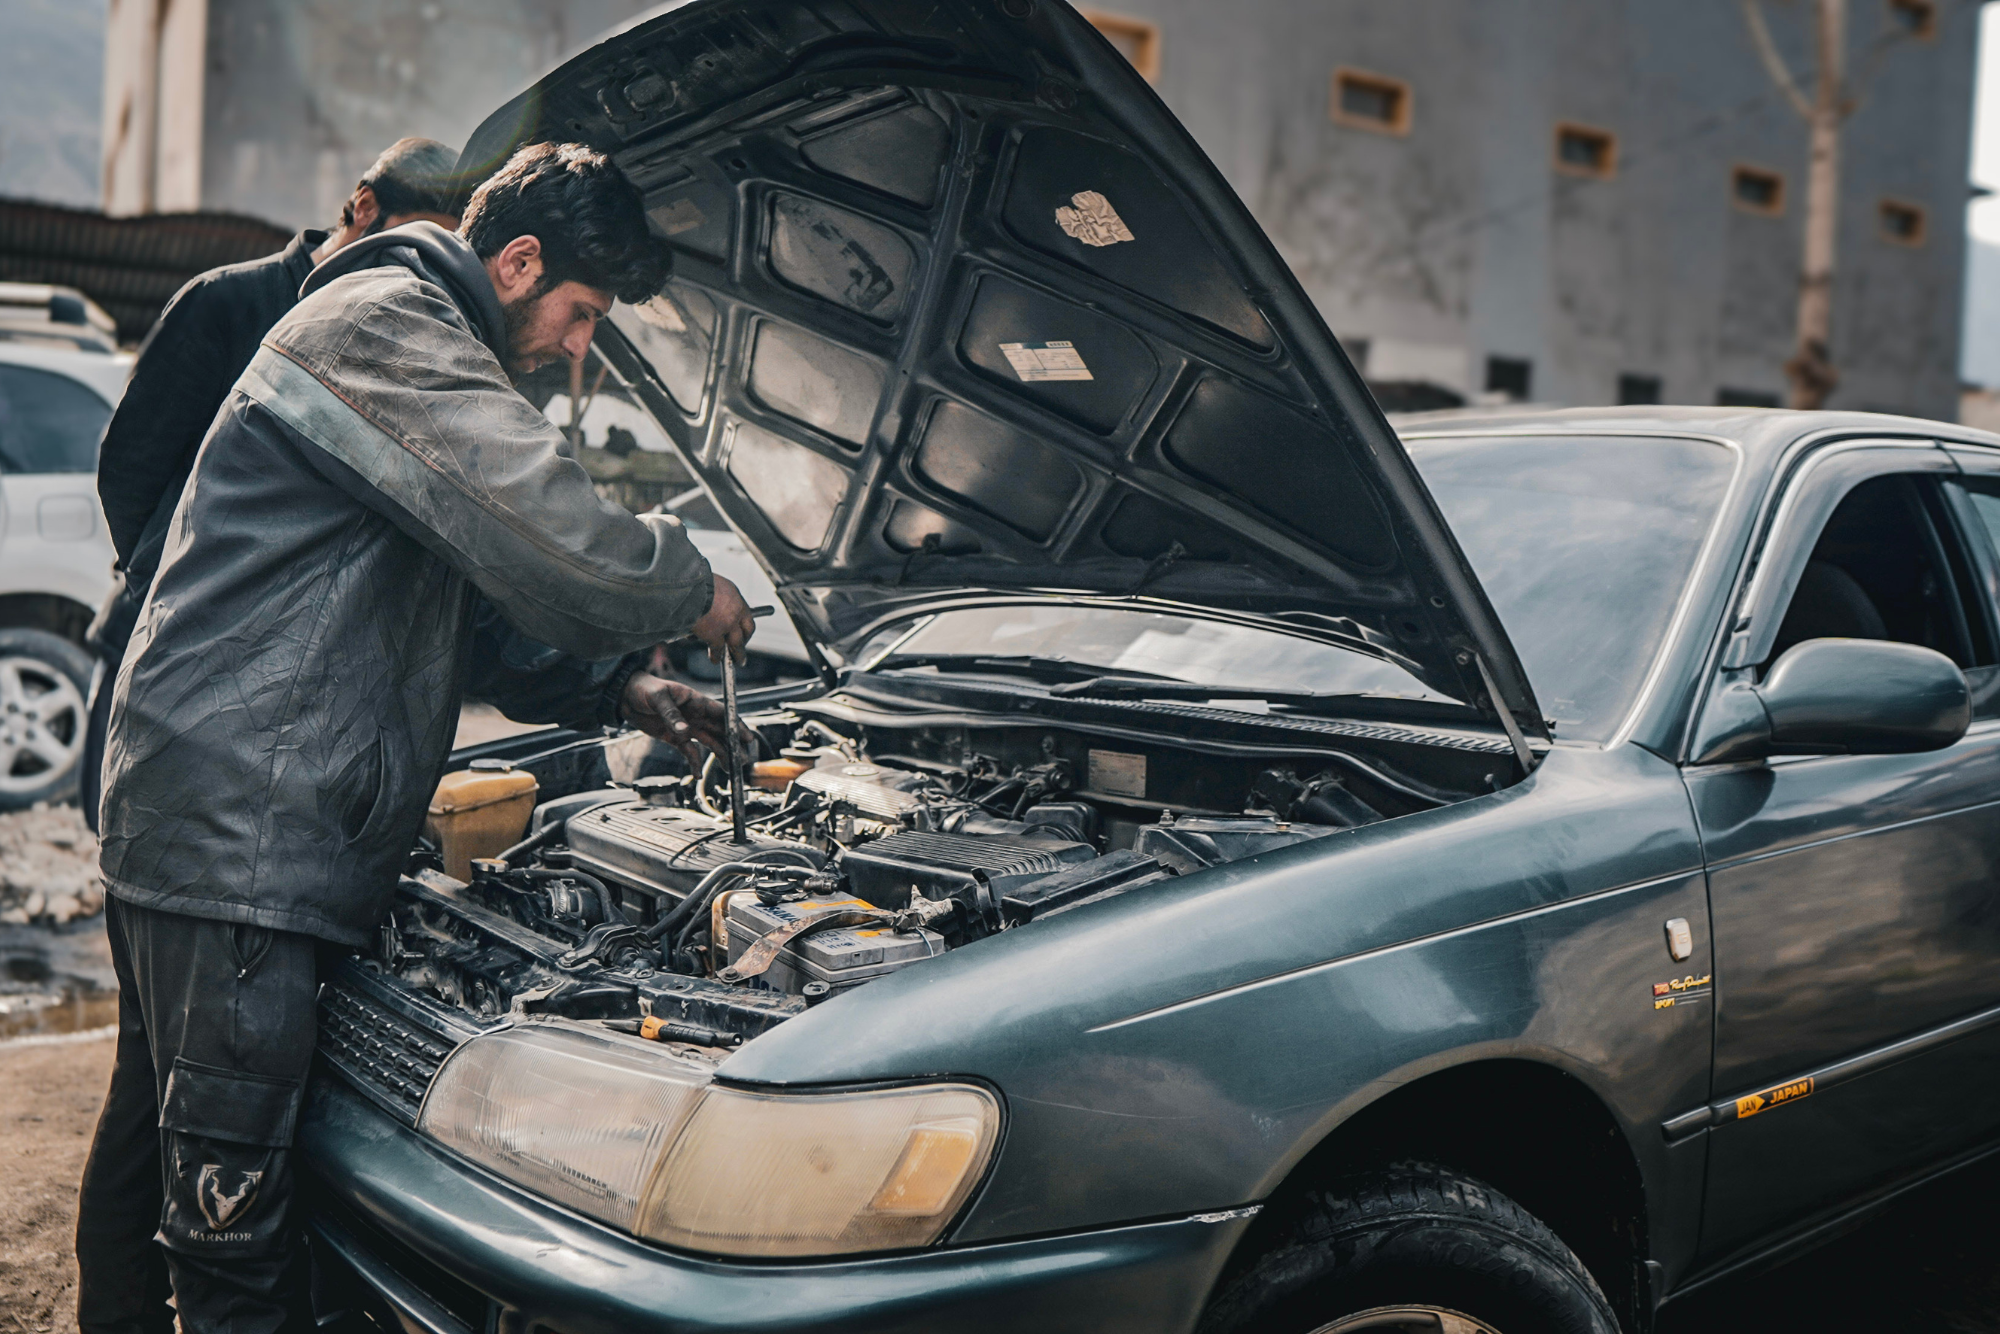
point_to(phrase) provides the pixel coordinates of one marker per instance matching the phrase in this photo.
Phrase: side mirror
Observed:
(1858, 696)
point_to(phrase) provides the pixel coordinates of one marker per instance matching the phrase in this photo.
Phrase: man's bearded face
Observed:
(551, 325)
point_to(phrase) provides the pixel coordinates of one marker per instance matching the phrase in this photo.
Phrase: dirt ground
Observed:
(49, 1096)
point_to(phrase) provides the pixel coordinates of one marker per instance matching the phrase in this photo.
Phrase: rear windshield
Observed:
(48, 422)
(1584, 546)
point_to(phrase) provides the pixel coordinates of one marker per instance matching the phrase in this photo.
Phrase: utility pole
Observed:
(1810, 369)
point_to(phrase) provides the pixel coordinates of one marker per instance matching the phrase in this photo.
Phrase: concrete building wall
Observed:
(51, 72)
(1439, 247)
(1459, 239)
(304, 93)
(275, 107)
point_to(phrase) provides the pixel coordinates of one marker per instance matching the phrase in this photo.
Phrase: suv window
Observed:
(48, 422)
(1890, 564)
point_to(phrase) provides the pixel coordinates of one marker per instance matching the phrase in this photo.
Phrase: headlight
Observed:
(571, 1114)
(625, 1132)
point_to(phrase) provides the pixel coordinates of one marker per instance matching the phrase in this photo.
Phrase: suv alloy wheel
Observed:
(44, 709)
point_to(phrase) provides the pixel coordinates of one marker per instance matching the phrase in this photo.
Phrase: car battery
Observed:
(840, 956)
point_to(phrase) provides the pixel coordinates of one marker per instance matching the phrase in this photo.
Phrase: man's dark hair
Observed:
(590, 220)
(412, 176)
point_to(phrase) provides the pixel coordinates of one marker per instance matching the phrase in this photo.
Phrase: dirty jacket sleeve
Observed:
(414, 417)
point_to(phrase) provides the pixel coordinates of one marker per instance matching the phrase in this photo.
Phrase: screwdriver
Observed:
(734, 731)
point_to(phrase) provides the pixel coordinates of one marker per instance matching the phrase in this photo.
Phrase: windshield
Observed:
(1146, 643)
(48, 422)
(1583, 545)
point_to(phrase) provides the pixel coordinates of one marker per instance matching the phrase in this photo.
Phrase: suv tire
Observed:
(1413, 1247)
(44, 712)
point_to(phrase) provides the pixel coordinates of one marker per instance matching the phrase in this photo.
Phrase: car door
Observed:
(1856, 927)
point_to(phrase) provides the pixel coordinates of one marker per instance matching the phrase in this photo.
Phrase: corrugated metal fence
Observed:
(129, 266)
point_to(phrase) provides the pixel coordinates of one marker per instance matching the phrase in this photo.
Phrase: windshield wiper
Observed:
(1141, 687)
(1039, 669)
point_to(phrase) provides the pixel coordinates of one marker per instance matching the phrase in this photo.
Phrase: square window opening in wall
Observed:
(1371, 101)
(1137, 40)
(1757, 190)
(1727, 397)
(1918, 18)
(1905, 224)
(1510, 376)
(1635, 389)
(1584, 151)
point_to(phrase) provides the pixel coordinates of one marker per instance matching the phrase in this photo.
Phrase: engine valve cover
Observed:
(660, 848)
(860, 786)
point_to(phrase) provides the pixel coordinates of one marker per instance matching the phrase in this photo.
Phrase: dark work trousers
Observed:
(192, 1160)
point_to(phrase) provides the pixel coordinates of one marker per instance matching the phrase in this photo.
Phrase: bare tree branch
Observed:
(1774, 64)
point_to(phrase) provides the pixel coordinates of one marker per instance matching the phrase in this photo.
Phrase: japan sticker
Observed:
(1056, 359)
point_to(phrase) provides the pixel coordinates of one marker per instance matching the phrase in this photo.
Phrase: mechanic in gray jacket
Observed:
(289, 696)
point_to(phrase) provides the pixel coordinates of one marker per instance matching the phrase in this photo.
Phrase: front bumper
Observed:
(449, 1249)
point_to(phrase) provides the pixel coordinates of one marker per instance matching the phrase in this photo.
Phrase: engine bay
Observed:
(872, 840)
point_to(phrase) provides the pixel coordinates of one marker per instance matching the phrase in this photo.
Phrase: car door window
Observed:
(1978, 509)
(48, 422)
(1889, 565)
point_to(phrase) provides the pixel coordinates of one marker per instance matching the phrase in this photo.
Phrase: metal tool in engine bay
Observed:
(734, 734)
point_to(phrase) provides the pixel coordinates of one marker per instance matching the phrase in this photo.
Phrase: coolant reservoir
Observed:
(480, 812)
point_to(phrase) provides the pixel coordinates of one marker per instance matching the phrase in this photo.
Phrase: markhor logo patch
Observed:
(224, 1193)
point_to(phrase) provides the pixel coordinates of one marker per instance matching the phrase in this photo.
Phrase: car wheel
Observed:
(1413, 1247)
(44, 685)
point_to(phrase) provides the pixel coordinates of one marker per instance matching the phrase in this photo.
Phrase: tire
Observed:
(1413, 1247)
(44, 689)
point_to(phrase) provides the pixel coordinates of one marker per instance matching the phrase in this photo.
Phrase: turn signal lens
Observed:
(821, 1174)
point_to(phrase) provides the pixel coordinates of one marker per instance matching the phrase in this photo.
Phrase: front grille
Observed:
(387, 1045)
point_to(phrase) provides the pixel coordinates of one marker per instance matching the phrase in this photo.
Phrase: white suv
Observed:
(55, 556)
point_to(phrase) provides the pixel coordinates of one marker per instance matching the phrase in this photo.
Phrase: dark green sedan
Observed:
(1234, 868)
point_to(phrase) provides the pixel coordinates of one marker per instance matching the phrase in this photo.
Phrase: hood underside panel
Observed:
(959, 305)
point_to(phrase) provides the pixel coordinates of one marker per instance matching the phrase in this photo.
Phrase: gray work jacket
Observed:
(292, 687)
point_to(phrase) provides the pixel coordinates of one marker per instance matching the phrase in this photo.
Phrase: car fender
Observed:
(1179, 1048)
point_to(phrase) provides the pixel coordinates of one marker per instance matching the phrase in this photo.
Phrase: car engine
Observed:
(864, 851)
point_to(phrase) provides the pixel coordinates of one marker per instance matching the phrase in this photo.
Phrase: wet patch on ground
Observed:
(56, 980)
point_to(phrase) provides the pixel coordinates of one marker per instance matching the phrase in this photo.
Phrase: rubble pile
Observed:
(48, 866)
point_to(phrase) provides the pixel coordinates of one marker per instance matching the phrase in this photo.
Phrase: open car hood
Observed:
(960, 308)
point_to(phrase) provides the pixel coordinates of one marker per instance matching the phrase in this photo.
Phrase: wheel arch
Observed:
(59, 615)
(1528, 1128)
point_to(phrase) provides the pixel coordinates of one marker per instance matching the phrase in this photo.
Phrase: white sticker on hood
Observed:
(1090, 218)
(1117, 773)
(1056, 359)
